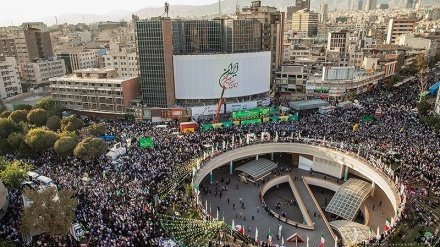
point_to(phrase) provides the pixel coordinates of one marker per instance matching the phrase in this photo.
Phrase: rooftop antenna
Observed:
(56, 20)
(83, 19)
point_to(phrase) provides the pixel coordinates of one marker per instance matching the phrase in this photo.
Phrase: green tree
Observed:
(423, 107)
(53, 123)
(19, 116)
(15, 139)
(69, 134)
(65, 146)
(71, 123)
(40, 139)
(25, 151)
(37, 117)
(8, 126)
(90, 148)
(50, 212)
(5, 114)
(97, 129)
(15, 173)
(52, 107)
(23, 107)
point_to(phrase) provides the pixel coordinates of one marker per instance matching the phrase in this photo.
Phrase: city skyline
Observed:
(15, 13)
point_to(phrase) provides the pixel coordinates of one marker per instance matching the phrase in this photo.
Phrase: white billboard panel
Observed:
(241, 106)
(337, 73)
(198, 111)
(205, 76)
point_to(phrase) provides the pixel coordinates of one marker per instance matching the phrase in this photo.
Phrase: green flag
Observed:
(146, 142)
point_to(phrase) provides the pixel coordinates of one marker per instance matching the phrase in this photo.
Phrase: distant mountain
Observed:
(227, 7)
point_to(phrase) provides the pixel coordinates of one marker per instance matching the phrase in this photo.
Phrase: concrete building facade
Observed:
(371, 5)
(32, 44)
(95, 91)
(124, 60)
(40, 72)
(10, 84)
(160, 38)
(79, 59)
(399, 26)
(323, 12)
(305, 21)
(8, 48)
(299, 5)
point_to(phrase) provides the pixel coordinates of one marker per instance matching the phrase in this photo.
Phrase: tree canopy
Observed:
(40, 139)
(53, 123)
(90, 148)
(50, 212)
(52, 107)
(65, 146)
(71, 123)
(97, 129)
(19, 116)
(15, 173)
(37, 116)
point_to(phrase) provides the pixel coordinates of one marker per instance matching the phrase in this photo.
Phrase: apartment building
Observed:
(41, 71)
(8, 48)
(399, 26)
(76, 59)
(291, 78)
(305, 21)
(98, 92)
(32, 44)
(123, 59)
(9, 78)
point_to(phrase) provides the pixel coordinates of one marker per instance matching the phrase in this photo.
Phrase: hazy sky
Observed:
(30, 10)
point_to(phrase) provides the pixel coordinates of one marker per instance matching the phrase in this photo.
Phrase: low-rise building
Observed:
(97, 92)
(9, 78)
(41, 71)
(291, 78)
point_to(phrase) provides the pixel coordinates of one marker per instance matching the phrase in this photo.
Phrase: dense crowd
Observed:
(118, 201)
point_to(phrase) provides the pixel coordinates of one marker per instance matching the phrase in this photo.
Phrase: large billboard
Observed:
(337, 73)
(206, 76)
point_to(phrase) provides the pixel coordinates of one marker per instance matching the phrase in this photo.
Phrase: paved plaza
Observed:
(249, 194)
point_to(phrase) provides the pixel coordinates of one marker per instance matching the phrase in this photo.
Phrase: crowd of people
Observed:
(118, 202)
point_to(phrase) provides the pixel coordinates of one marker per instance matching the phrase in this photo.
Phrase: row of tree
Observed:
(28, 131)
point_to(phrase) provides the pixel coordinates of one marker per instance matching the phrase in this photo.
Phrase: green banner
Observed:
(274, 109)
(367, 118)
(293, 118)
(206, 127)
(227, 124)
(146, 142)
(246, 114)
(264, 111)
(251, 121)
(274, 118)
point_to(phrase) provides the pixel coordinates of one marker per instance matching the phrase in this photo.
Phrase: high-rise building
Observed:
(32, 44)
(272, 36)
(323, 12)
(418, 4)
(299, 5)
(371, 5)
(159, 39)
(9, 80)
(8, 48)
(409, 4)
(397, 27)
(305, 21)
(360, 5)
(337, 48)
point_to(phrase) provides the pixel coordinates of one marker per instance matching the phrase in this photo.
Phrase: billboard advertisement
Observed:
(208, 110)
(337, 73)
(206, 76)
